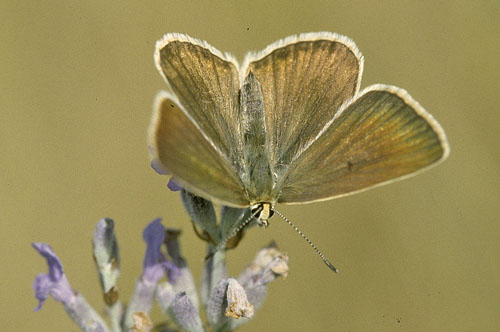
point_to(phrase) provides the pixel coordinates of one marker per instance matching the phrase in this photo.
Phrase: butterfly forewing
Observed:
(183, 149)
(206, 84)
(304, 80)
(382, 135)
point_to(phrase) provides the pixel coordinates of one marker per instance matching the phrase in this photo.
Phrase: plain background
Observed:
(76, 89)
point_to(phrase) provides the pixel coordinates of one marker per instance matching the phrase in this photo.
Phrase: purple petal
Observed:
(182, 280)
(55, 266)
(215, 307)
(174, 186)
(54, 283)
(158, 167)
(41, 286)
(186, 313)
(153, 264)
(173, 272)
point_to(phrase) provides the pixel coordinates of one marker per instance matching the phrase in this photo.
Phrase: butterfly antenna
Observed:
(327, 262)
(235, 231)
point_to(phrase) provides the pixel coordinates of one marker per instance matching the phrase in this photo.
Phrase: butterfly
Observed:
(289, 125)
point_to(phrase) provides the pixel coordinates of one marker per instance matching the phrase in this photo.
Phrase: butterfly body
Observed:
(257, 176)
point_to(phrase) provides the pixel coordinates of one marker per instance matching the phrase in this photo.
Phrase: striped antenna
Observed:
(221, 245)
(327, 262)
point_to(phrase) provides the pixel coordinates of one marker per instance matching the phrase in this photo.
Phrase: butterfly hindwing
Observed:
(381, 136)
(182, 148)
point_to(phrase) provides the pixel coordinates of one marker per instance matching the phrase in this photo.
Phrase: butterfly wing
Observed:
(206, 84)
(304, 80)
(182, 147)
(381, 136)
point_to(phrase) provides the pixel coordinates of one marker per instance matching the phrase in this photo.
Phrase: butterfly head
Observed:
(262, 212)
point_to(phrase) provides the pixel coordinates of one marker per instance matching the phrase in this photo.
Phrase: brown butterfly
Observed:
(287, 126)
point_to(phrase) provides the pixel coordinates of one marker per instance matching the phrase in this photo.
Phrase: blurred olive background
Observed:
(77, 85)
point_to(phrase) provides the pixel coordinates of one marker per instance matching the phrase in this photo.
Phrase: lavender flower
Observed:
(237, 302)
(107, 259)
(185, 313)
(158, 167)
(154, 263)
(56, 285)
(213, 272)
(107, 262)
(233, 302)
(173, 185)
(228, 299)
(155, 266)
(142, 323)
(228, 302)
(268, 264)
(184, 280)
(168, 290)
